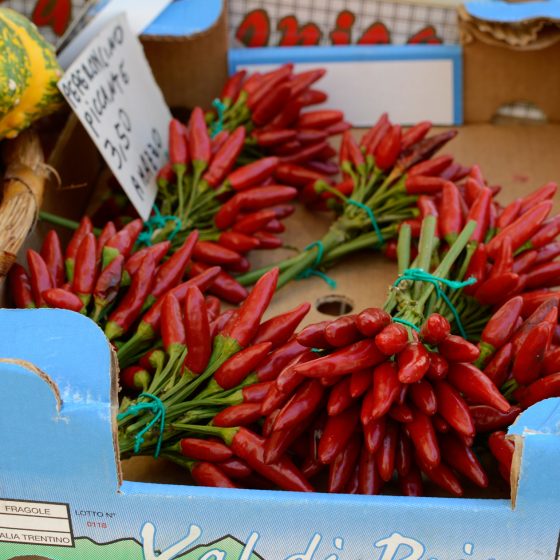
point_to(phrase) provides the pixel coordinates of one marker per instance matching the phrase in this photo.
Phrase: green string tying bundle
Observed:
(158, 221)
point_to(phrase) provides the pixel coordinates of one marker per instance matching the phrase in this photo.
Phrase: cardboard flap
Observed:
(57, 405)
(535, 464)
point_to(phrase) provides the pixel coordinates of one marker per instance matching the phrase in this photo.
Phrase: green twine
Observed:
(419, 275)
(371, 216)
(311, 271)
(157, 221)
(158, 410)
(405, 322)
(217, 126)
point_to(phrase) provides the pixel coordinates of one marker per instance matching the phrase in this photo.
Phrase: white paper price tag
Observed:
(112, 90)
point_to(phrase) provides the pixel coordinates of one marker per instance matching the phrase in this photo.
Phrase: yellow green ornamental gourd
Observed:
(29, 72)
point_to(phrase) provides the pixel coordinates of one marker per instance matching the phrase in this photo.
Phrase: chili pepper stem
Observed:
(227, 434)
(64, 222)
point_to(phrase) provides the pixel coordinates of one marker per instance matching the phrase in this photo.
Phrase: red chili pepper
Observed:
(441, 425)
(411, 483)
(422, 435)
(462, 458)
(360, 382)
(235, 468)
(401, 413)
(501, 448)
(424, 397)
(232, 372)
(268, 138)
(375, 133)
(455, 348)
(288, 116)
(122, 318)
(313, 97)
(164, 177)
(223, 285)
(84, 228)
(172, 270)
(51, 251)
(424, 185)
(85, 269)
(357, 356)
(238, 242)
(178, 148)
(435, 329)
(288, 379)
(545, 312)
(546, 192)
(279, 329)
(339, 397)
(438, 367)
(503, 260)
(313, 336)
(232, 87)
(107, 285)
(135, 378)
(551, 362)
(172, 328)
(296, 175)
(369, 480)
(252, 223)
(212, 253)
(62, 299)
(476, 386)
(342, 467)
(374, 433)
(251, 311)
(524, 262)
(279, 359)
(523, 228)
(39, 276)
(425, 149)
(262, 197)
(203, 450)
(308, 153)
(527, 363)
(497, 369)
(387, 452)
(403, 454)
(210, 474)
(337, 432)
(218, 141)
(252, 174)
(415, 133)
(392, 339)
(431, 167)
(509, 214)
(488, 419)
(442, 476)
(159, 250)
(320, 119)
(476, 269)
(479, 212)
(543, 275)
(342, 331)
(371, 321)
(494, 289)
(243, 414)
(544, 388)
(413, 362)
(453, 409)
(120, 244)
(20, 287)
(310, 135)
(279, 441)
(388, 149)
(274, 226)
(199, 141)
(213, 307)
(303, 80)
(272, 104)
(472, 189)
(225, 158)
(301, 406)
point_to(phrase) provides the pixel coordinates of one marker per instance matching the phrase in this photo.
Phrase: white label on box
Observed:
(112, 90)
(35, 523)
(140, 14)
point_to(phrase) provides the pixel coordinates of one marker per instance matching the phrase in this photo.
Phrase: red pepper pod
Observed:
(279, 359)
(442, 476)
(392, 339)
(313, 336)
(463, 459)
(254, 222)
(419, 184)
(311, 151)
(546, 233)
(369, 479)
(268, 138)
(84, 228)
(235, 468)
(310, 135)
(269, 106)
(210, 474)
(522, 229)
(341, 469)
(232, 87)
(178, 148)
(320, 119)
(85, 268)
(424, 397)
(453, 409)
(279, 441)
(227, 213)
(544, 388)
(253, 173)
(342, 331)
(524, 262)
(403, 454)
(423, 436)
(239, 242)
(172, 271)
(386, 453)
(455, 348)
(415, 133)
(288, 379)
(135, 260)
(279, 329)
(339, 397)
(431, 167)
(301, 406)
(20, 287)
(243, 414)
(233, 371)
(435, 329)
(551, 362)
(51, 251)
(108, 283)
(313, 97)
(296, 175)
(500, 327)
(388, 149)
(62, 299)
(251, 311)
(371, 321)
(488, 419)
(223, 285)
(528, 362)
(360, 382)
(135, 378)
(128, 310)
(382, 394)
(413, 362)
(212, 253)
(495, 288)
(438, 367)
(401, 413)
(543, 275)
(476, 386)
(479, 212)
(360, 355)
(497, 369)
(199, 140)
(39, 276)
(204, 450)
(411, 483)
(374, 433)
(546, 192)
(509, 214)
(502, 448)
(224, 159)
(300, 82)
(336, 434)
(372, 137)
(172, 328)
(261, 197)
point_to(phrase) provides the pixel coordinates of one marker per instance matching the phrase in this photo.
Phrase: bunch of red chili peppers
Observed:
(270, 106)
(383, 175)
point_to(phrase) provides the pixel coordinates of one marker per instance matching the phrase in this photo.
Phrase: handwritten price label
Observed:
(111, 89)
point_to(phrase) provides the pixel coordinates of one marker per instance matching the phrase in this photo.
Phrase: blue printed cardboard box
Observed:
(62, 496)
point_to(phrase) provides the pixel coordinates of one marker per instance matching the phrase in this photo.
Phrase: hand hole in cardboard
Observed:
(524, 112)
(335, 305)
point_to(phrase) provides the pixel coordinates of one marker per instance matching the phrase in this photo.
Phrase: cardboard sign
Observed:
(111, 89)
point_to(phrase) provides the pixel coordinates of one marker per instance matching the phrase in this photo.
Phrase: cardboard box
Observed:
(65, 495)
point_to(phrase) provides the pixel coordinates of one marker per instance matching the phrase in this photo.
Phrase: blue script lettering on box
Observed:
(60, 496)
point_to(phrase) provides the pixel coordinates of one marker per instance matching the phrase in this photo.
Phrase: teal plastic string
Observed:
(158, 410)
(311, 271)
(217, 126)
(419, 275)
(157, 221)
(371, 216)
(405, 322)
